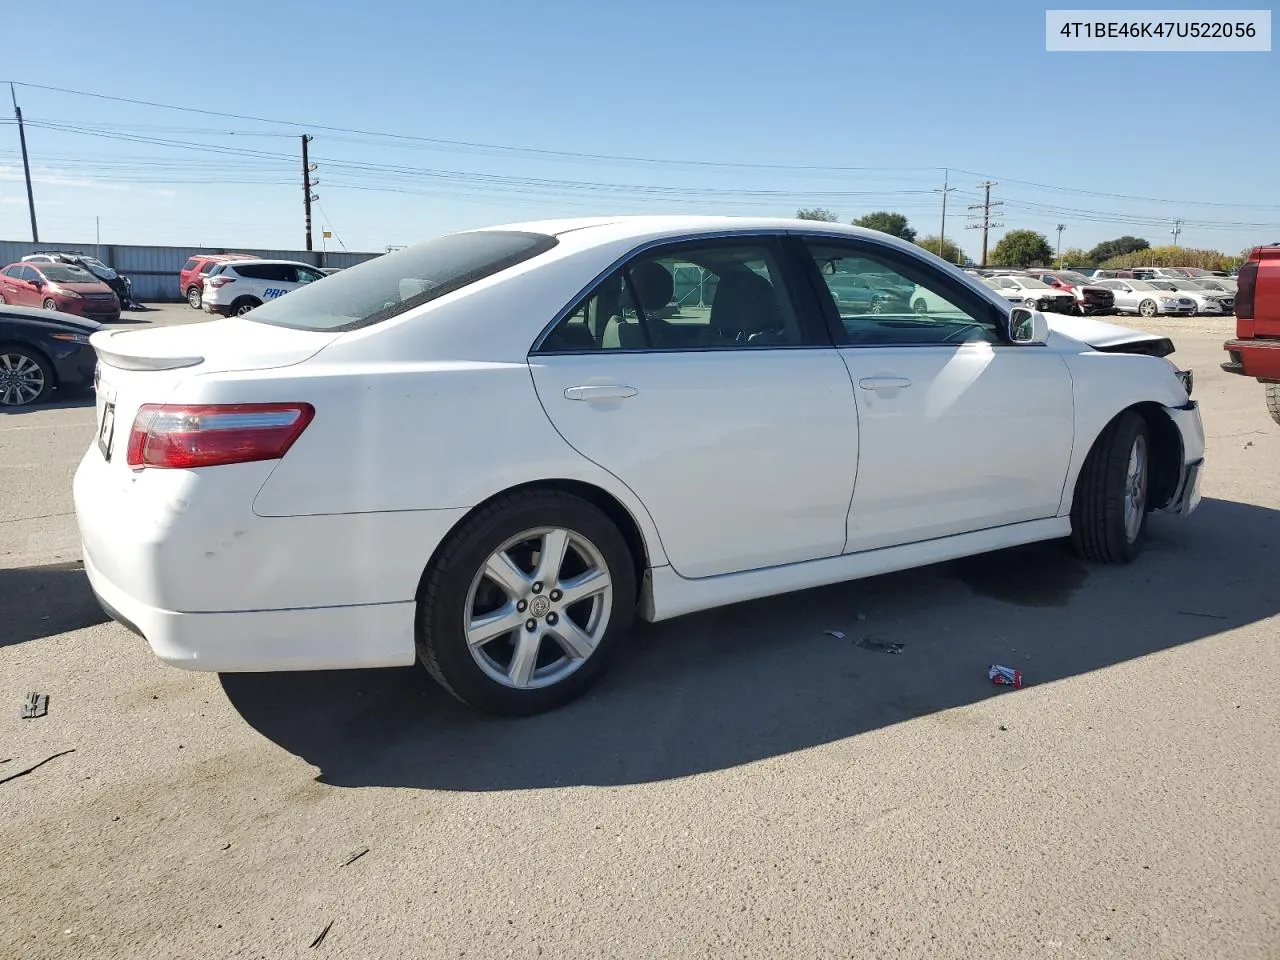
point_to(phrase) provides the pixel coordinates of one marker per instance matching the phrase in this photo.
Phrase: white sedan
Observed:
(491, 451)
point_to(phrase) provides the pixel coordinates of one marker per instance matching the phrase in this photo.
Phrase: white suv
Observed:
(236, 287)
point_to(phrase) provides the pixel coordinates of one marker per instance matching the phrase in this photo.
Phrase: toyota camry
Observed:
(491, 451)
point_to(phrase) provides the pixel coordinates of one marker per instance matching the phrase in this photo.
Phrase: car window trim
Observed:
(957, 293)
(815, 338)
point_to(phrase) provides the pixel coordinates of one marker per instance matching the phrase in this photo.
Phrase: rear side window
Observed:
(390, 285)
(209, 266)
(275, 272)
(190, 265)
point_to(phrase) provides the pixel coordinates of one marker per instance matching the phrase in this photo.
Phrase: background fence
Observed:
(154, 270)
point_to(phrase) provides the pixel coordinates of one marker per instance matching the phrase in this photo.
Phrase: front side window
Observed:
(694, 296)
(913, 303)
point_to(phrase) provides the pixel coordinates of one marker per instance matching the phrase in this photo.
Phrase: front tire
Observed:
(25, 376)
(50, 303)
(1148, 308)
(525, 603)
(1109, 513)
(920, 306)
(1273, 400)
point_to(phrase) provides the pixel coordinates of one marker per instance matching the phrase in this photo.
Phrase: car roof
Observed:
(291, 263)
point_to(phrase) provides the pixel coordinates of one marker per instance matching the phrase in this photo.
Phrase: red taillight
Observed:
(217, 282)
(177, 436)
(1246, 284)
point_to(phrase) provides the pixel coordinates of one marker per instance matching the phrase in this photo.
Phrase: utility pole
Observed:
(26, 166)
(307, 167)
(1058, 256)
(942, 233)
(986, 223)
(1177, 229)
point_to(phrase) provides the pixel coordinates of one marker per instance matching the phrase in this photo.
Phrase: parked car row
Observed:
(1157, 292)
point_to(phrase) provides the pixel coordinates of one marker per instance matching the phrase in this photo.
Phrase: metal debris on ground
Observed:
(834, 633)
(36, 705)
(1004, 676)
(880, 646)
(323, 933)
(355, 856)
(1197, 613)
(36, 766)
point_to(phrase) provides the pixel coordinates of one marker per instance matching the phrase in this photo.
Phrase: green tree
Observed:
(817, 213)
(950, 252)
(1022, 248)
(1075, 259)
(1117, 248)
(894, 224)
(1171, 256)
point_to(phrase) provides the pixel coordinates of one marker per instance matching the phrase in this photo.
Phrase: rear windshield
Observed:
(386, 287)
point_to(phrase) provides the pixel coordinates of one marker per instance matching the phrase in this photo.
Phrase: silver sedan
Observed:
(1146, 299)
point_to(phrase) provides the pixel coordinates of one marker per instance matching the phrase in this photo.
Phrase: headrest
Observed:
(654, 285)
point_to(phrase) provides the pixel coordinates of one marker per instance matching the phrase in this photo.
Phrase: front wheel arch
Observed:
(1166, 452)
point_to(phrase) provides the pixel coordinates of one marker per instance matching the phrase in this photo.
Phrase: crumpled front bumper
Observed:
(1187, 495)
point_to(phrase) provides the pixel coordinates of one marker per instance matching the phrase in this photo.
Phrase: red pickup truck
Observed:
(1255, 351)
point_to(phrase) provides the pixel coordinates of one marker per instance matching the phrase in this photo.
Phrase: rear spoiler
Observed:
(101, 343)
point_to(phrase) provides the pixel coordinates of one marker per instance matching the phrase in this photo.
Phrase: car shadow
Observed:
(756, 680)
(43, 601)
(72, 400)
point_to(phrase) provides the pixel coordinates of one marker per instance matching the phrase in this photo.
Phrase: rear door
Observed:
(695, 376)
(959, 429)
(11, 286)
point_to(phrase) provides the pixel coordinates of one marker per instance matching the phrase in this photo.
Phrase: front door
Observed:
(693, 376)
(959, 429)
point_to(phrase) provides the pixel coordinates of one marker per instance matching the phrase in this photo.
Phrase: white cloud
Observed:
(167, 194)
(57, 178)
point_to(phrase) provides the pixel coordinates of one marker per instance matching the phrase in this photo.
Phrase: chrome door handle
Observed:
(600, 391)
(884, 383)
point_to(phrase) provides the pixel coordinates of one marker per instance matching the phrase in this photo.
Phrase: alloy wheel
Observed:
(538, 608)
(21, 379)
(1135, 488)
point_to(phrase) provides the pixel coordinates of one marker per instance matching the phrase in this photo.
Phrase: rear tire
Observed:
(486, 584)
(1273, 400)
(244, 305)
(26, 377)
(1109, 513)
(193, 298)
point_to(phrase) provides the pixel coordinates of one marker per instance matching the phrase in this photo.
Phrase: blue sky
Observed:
(709, 88)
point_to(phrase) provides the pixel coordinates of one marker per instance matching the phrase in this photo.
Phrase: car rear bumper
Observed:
(181, 556)
(309, 638)
(1254, 358)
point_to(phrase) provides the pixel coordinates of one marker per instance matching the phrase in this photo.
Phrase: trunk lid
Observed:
(144, 366)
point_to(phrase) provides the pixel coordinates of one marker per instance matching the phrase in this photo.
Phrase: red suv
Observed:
(191, 277)
(1255, 351)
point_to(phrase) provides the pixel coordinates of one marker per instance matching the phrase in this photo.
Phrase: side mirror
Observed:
(38, 282)
(1028, 327)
